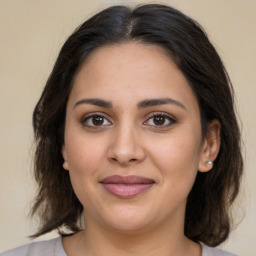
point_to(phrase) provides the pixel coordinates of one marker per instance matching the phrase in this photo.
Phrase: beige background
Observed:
(31, 34)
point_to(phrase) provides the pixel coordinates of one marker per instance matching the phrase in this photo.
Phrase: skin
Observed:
(131, 142)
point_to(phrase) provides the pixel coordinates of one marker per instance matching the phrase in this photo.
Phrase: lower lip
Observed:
(126, 190)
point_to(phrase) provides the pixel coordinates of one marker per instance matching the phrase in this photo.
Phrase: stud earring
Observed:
(209, 162)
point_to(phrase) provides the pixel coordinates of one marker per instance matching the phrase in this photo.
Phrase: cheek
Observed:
(83, 151)
(178, 151)
(84, 158)
(177, 159)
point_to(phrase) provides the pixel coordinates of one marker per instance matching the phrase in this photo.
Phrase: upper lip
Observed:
(131, 179)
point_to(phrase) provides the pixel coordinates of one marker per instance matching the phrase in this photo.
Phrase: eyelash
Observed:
(171, 120)
(89, 117)
(166, 117)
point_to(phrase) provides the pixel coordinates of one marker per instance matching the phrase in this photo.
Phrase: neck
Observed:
(164, 240)
(134, 244)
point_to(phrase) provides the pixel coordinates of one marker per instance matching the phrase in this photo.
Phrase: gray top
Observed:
(54, 247)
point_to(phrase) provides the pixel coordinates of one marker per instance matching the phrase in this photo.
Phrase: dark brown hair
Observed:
(207, 216)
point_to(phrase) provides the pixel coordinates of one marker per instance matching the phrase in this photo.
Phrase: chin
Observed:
(128, 220)
(130, 227)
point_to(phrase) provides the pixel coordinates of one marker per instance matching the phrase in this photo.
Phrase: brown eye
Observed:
(95, 121)
(160, 121)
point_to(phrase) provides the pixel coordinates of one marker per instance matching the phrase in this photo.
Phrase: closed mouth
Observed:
(126, 186)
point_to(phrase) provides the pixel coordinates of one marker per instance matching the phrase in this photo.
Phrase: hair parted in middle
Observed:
(207, 213)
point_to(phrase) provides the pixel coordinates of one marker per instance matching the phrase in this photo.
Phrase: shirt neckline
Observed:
(61, 252)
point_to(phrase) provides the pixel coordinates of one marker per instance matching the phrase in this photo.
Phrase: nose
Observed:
(126, 147)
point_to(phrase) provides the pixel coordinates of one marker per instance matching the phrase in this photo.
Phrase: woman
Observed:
(136, 136)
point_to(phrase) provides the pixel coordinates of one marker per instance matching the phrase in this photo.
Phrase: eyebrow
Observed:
(94, 101)
(142, 104)
(161, 101)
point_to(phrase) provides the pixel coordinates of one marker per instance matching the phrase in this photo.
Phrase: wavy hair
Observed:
(207, 217)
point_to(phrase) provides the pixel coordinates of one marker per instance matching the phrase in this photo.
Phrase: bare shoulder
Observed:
(51, 247)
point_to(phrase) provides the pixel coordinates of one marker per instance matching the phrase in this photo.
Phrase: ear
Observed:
(210, 147)
(64, 154)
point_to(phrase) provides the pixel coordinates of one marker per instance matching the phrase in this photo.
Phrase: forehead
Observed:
(131, 71)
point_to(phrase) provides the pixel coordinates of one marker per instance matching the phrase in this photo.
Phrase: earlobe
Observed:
(65, 165)
(211, 146)
(64, 155)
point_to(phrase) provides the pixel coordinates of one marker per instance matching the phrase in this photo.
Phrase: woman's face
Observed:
(133, 142)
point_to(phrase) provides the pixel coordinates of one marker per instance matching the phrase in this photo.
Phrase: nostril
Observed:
(122, 161)
(114, 159)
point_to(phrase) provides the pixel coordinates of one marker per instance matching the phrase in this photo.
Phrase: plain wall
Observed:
(31, 34)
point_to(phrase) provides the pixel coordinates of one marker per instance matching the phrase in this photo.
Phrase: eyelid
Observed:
(93, 114)
(168, 116)
(171, 118)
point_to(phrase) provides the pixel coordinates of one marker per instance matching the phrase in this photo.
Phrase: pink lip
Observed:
(126, 186)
